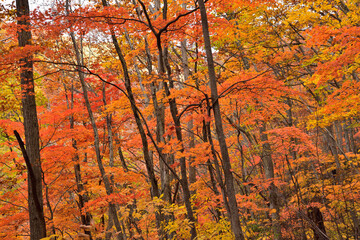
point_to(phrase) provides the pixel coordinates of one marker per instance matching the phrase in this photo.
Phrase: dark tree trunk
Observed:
(155, 192)
(230, 189)
(164, 65)
(35, 199)
(317, 223)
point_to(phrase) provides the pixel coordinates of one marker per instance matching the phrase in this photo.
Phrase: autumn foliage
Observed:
(127, 130)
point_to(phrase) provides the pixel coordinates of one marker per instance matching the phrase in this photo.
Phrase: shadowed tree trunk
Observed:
(35, 199)
(272, 190)
(318, 226)
(230, 189)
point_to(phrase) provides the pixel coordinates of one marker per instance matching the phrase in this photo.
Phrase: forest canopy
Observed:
(151, 119)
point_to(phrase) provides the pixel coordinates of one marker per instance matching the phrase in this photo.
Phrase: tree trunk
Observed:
(159, 113)
(105, 178)
(185, 63)
(269, 175)
(148, 162)
(82, 194)
(35, 198)
(164, 67)
(317, 225)
(230, 189)
(184, 180)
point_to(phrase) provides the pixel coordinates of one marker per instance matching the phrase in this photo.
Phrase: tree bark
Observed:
(185, 63)
(148, 162)
(105, 178)
(82, 194)
(164, 67)
(269, 175)
(36, 212)
(318, 226)
(230, 189)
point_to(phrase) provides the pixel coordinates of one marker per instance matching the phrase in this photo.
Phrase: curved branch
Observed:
(32, 177)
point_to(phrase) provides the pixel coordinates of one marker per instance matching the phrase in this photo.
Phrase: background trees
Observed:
(128, 137)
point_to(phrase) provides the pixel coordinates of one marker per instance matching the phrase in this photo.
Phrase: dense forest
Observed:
(180, 119)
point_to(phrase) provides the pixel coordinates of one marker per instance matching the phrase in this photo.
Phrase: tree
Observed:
(32, 152)
(230, 190)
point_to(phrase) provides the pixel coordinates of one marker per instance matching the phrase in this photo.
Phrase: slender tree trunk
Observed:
(148, 162)
(82, 194)
(207, 138)
(105, 178)
(164, 66)
(185, 63)
(137, 70)
(109, 130)
(293, 178)
(121, 155)
(159, 112)
(35, 198)
(230, 189)
(111, 160)
(269, 175)
(184, 179)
